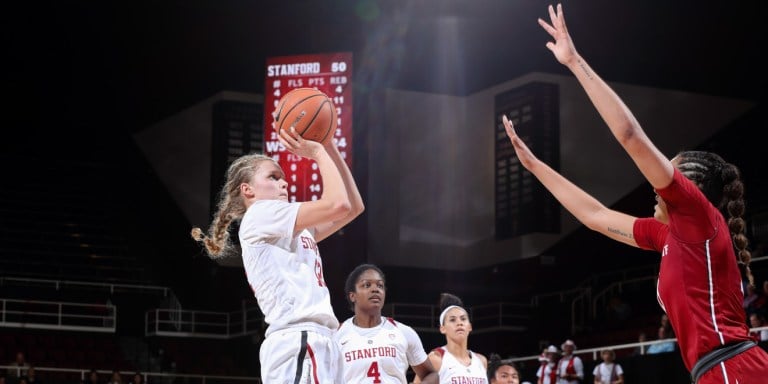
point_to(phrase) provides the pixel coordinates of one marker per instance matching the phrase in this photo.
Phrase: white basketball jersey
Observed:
(452, 371)
(284, 271)
(381, 354)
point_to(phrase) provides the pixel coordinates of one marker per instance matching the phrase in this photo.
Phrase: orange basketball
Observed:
(309, 111)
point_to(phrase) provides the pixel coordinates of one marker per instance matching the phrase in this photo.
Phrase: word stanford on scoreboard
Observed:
(331, 73)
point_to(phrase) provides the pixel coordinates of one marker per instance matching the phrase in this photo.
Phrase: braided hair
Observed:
(230, 208)
(721, 183)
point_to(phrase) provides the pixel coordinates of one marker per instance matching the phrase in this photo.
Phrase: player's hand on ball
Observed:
(299, 146)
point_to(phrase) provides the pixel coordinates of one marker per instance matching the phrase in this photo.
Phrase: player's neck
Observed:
(366, 321)
(458, 350)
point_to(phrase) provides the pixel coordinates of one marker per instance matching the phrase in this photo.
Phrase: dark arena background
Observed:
(120, 118)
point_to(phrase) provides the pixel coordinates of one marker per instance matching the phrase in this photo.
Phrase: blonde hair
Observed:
(230, 206)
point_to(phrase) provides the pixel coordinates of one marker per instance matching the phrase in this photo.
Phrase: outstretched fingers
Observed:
(552, 31)
(552, 14)
(556, 26)
(509, 128)
(521, 149)
(560, 23)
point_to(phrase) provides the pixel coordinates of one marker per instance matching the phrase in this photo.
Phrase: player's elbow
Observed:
(592, 225)
(594, 219)
(630, 134)
(358, 209)
(339, 209)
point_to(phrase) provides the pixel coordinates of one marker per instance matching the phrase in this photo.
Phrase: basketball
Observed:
(309, 111)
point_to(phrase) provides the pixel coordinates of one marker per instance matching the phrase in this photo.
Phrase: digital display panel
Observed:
(330, 73)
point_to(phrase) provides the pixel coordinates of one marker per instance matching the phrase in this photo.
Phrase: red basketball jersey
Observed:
(699, 286)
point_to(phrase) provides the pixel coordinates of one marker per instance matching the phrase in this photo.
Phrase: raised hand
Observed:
(562, 47)
(523, 153)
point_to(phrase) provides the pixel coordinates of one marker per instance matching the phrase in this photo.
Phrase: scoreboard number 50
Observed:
(338, 66)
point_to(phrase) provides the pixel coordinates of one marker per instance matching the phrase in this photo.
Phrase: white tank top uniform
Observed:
(381, 354)
(452, 371)
(285, 273)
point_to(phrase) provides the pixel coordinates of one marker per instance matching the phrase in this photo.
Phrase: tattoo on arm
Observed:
(620, 233)
(584, 68)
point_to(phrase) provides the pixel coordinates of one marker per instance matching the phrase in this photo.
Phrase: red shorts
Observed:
(748, 367)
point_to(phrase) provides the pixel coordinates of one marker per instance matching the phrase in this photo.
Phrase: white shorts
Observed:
(294, 356)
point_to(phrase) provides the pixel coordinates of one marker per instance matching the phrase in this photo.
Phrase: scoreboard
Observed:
(523, 205)
(330, 73)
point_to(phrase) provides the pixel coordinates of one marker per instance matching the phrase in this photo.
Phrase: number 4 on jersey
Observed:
(373, 371)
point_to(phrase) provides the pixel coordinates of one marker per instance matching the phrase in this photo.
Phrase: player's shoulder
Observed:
(389, 321)
(344, 327)
(392, 323)
(481, 357)
(261, 209)
(400, 327)
(437, 352)
(262, 205)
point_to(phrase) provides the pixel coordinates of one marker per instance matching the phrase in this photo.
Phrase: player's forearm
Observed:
(574, 199)
(334, 192)
(350, 186)
(609, 105)
(431, 378)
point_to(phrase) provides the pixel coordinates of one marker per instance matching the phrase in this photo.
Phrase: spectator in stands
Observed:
(138, 378)
(31, 376)
(570, 368)
(93, 377)
(542, 361)
(641, 349)
(619, 311)
(161, 361)
(502, 372)
(754, 300)
(608, 372)
(664, 322)
(17, 368)
(547, 372)
(116, 377)
(667, 346)
(756, 321)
